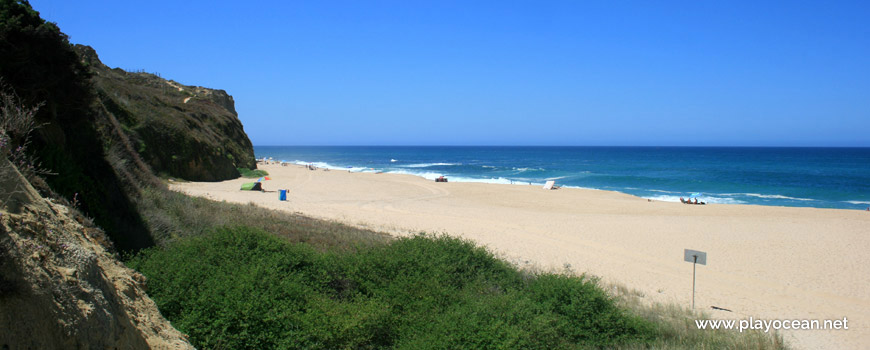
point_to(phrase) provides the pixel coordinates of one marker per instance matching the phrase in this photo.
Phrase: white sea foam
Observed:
(434, 175)
(858, 202)
(325, 165)
(393, 160)
(424, 174)
(714, 198)
(300, 162)
(767, 196)
(654, 190)
(426, 165)
(529, 169)
(659, 191)
(664, 198)
(705, 199)
(717, 200)
(317, 164)
(580, 187)
(499, 180)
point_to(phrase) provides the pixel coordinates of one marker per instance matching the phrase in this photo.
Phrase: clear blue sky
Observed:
(739, 73)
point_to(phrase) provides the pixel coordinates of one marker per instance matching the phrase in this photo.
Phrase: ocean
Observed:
(795, 177)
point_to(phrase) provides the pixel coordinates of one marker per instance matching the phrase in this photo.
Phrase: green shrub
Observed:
(248, 173)
(244, 288)
(589, 314)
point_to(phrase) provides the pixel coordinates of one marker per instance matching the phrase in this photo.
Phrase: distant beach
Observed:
(765, 262)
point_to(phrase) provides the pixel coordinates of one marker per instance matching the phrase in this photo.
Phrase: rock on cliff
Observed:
(60, 288)
(188, 132)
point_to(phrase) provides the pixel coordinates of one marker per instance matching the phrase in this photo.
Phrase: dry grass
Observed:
(172, 215)
(678, 330)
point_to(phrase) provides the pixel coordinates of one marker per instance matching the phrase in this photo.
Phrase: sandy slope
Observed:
(764, 262)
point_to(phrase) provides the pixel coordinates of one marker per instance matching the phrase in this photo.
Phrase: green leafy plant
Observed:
(248, 173)
(244, 288)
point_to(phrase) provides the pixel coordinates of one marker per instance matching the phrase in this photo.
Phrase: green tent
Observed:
(252, 186)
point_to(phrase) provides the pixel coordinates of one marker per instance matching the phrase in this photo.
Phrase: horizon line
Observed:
(553, 146)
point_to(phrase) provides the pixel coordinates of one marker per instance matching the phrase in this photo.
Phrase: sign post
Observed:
(695, 257)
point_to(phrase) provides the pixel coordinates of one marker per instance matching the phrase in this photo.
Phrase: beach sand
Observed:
(762, 262)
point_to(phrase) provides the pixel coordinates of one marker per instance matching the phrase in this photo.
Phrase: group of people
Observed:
(690, 201)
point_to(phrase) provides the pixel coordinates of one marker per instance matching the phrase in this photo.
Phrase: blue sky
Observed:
(734, 73)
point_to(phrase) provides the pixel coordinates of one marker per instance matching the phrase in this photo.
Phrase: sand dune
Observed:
(763, 262)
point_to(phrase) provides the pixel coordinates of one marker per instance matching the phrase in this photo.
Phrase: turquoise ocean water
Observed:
(799, 177)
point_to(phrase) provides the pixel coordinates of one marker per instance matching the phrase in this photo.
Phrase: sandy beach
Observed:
(763, 262)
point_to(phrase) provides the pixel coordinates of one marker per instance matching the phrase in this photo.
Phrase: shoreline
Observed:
(770, 262)
(668, 196)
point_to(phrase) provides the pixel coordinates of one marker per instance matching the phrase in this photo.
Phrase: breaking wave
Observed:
(426, 165)
(767, 196)
(706, 199)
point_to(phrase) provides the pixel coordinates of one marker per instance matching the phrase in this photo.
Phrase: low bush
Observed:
(248, 173)
(244, 288)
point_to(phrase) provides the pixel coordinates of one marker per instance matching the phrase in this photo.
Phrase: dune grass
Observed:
(171, 216)
(677, 329)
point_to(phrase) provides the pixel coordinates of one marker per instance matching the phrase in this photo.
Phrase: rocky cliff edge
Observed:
(60, 288)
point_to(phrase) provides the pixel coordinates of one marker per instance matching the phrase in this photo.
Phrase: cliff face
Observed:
(188, 132)
(60, 288)
(73, 139)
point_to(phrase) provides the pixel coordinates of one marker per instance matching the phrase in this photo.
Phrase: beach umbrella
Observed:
(264, 178)
(696, 194)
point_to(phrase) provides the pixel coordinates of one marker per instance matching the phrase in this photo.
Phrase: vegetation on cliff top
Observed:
(188, 132)
(98, 124)
(74, 139)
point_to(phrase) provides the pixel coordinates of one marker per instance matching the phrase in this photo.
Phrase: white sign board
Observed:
(690, 256)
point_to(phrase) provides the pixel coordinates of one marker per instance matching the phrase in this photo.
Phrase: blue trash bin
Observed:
(282, 195)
